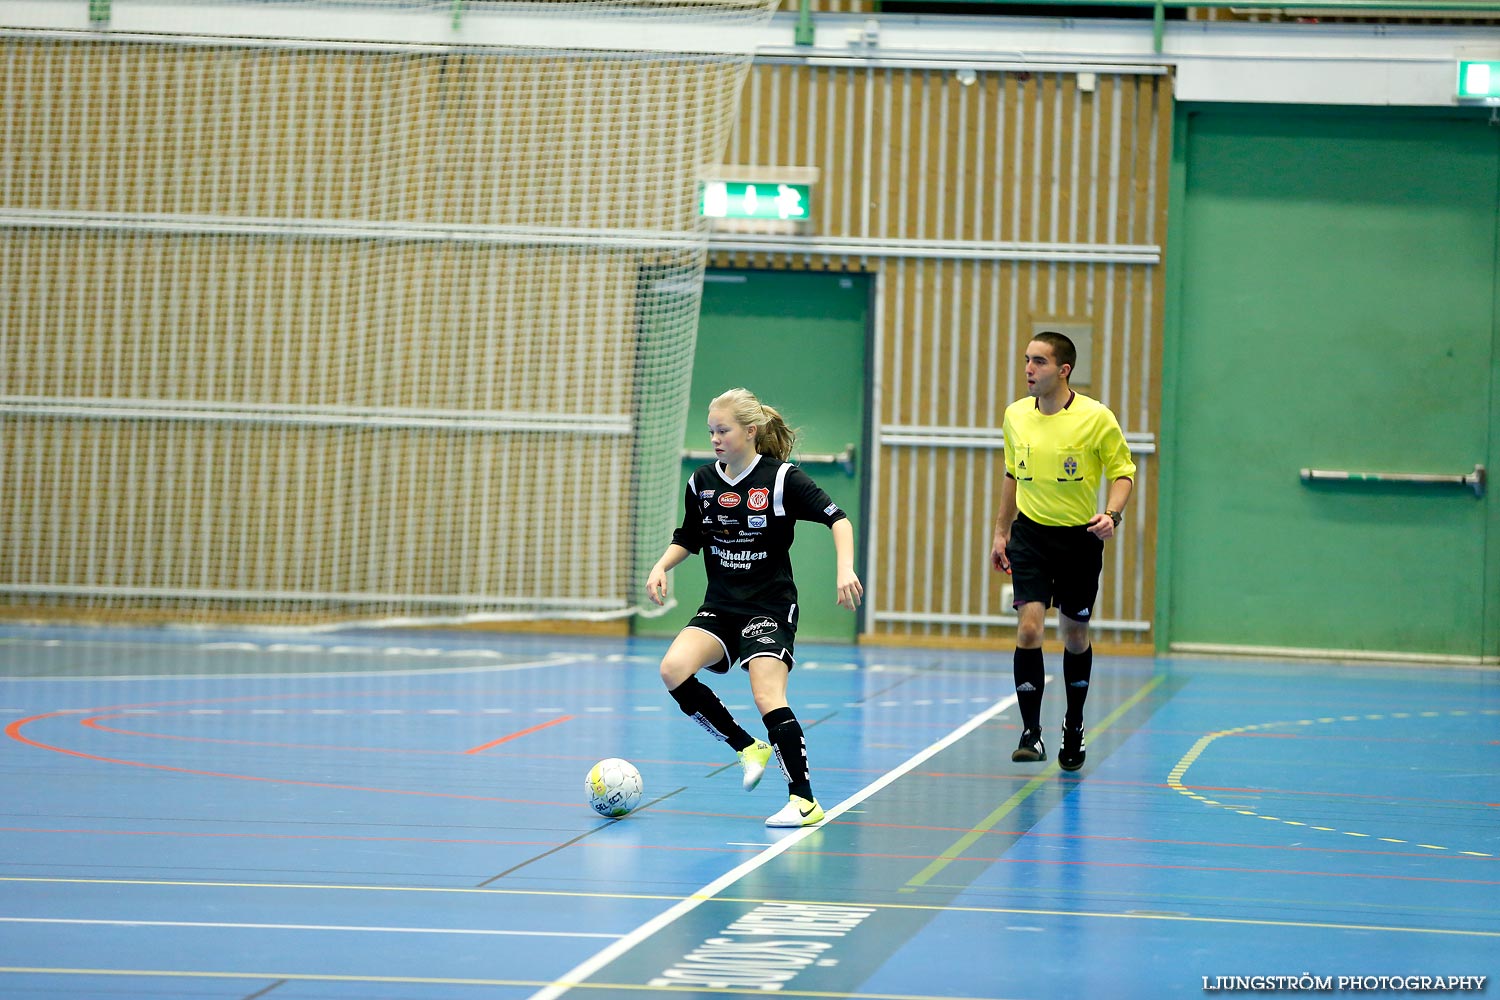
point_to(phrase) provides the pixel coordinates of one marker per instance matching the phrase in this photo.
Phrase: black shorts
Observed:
(1055, 566)
(746, 636)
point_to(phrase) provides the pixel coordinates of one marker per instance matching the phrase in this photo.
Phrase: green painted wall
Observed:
(797, 340)
(1334, 303)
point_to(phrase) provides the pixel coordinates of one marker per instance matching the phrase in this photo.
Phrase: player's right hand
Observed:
(656, 586)
(999, 561)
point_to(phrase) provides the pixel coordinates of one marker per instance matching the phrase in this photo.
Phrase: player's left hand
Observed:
(1101, 526)
(850, 591)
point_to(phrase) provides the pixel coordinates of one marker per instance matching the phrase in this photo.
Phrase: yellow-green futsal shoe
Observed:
(797, 812)
(754, 759)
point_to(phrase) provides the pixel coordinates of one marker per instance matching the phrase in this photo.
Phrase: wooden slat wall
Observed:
(1010, 157)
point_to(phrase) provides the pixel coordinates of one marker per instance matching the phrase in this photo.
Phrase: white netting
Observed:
(304, 335)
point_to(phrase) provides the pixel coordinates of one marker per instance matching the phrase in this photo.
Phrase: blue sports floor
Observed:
(401, 816)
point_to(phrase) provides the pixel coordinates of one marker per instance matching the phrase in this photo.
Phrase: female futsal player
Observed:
(741, 511)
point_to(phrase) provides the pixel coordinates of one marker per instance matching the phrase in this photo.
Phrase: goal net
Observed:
(304, 333)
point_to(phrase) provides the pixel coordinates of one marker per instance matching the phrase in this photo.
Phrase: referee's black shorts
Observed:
(1056, 566)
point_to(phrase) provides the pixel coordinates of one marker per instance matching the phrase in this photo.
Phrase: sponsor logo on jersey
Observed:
(705, 614)
(755, 520)
(707, 494)
(729, 499)
(768, 640)
(759, 627)
(831, 508)
(759, 498)
(734, 558)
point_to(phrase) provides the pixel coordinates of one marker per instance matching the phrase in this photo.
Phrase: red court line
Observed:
(1216, 868)
(515, 736)
(676, 848)
(1102, 783)
(1092, 838)
(14, 732)
(93, 722)
(201, 835)
(1226, 844)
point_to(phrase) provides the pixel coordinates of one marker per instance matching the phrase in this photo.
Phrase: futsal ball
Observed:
(614, 787)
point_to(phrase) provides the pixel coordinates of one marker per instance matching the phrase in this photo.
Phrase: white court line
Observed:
(576, 975)
(302, 927)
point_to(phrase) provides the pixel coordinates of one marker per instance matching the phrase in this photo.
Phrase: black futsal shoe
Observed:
(1030, 749)
(1070, 757)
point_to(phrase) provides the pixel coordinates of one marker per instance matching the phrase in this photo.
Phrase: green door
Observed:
(1338, 311)
(797, 340)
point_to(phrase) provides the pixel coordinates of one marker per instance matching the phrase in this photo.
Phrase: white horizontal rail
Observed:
(844, 459)
(502, 27)
(1312, 653)
(355, 229)
(1473, 480)
(348, 597)
(945, 618)
(956, 61)
(912, 436)
(316, 416)
(874, 246)
(636, 239)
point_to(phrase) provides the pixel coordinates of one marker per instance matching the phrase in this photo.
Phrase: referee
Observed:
(1049, 535)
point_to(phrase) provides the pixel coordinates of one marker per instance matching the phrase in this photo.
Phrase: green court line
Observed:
(1022, 794)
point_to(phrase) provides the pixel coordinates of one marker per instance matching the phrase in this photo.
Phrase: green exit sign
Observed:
(755, 200)
(1479, 80)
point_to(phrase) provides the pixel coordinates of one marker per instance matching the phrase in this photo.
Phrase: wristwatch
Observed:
(1114, 516)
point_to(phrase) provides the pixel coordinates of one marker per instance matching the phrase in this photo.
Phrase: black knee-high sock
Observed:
(1077, 668)
(785, 734)
(1031, 679)
(699, 703)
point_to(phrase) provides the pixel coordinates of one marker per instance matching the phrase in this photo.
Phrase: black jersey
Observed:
(744, 528)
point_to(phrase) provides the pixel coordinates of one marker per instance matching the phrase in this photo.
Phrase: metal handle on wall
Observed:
(1474, 480)
(844, 459)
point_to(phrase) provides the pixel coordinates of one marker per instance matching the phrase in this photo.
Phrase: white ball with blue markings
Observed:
(614, 786)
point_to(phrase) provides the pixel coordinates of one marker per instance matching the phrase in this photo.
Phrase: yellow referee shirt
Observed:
(1058, 460)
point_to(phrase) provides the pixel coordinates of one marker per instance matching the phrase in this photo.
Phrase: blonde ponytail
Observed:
(772, 436)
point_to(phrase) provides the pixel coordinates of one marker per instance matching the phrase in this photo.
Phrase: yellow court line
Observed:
(758, 900)
(442, 981)
(1174, 778)
(984, 826)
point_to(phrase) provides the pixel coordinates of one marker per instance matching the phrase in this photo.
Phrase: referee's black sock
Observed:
(1031, 678)
(699, 703)
(785, 734)
(1077, 668)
